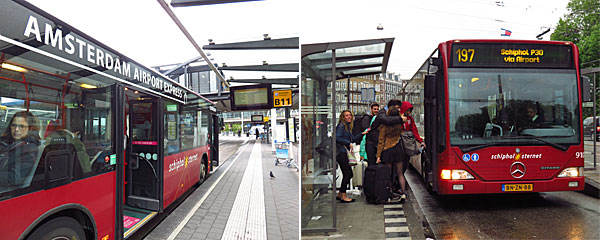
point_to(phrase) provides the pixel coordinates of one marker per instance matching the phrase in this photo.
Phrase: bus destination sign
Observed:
(511, 55)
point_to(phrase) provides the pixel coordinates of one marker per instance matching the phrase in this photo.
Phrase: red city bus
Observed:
(93, 144)
(502, 116)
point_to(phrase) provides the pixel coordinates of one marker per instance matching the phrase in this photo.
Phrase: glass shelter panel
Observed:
(318, 169)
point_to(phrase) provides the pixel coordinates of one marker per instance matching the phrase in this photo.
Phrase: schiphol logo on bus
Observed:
(86, 51)
(182, 162)
(515, 156)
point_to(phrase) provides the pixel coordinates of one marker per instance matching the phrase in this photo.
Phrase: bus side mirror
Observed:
(430, 86)
(586, 89)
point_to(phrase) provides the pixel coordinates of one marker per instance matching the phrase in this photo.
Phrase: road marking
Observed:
(392, 206)
(195, 208)
(395, 222)
(396, 229)
(393, 213)
(247, 218)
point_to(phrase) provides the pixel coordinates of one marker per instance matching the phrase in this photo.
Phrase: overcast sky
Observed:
(143, 31)
(418, 26)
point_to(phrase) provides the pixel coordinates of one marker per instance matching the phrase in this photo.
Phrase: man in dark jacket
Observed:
(361, 123)
(373, 135)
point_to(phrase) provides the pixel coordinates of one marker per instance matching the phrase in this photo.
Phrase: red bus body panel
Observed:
(542, 166)
(181, 172)
(96, 194)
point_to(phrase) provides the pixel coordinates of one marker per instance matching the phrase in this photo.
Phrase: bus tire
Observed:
(59, 228)
(203, 165)
(425, 167)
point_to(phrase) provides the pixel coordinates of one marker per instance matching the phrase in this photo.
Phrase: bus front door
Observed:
(144, 155)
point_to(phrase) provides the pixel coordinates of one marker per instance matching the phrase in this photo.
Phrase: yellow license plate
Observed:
(517, 187)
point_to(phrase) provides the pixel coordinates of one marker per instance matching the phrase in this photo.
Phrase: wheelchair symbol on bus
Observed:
(466, 157)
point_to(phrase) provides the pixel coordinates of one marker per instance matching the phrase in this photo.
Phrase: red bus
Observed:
(502, 116)
(93, 144)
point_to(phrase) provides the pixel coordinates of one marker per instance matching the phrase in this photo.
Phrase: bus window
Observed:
(204, 122)
(71, 111)
(171, 144)
(489, 103)
(188, 130)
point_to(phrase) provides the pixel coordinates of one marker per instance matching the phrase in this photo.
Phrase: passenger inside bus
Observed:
(71, 137)
(19, 148)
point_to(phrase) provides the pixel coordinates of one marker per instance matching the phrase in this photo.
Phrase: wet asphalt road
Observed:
(556, 215)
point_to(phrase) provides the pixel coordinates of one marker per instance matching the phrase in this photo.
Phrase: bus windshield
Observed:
(507, 106)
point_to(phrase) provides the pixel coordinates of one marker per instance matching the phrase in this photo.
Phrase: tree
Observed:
(582, 27)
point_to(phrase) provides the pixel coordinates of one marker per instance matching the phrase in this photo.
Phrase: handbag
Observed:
(409, 143)
(351, 158)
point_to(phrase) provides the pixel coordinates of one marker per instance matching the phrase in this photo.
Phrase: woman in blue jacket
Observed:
(343, 134)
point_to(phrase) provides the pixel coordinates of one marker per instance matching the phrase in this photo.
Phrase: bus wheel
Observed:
(202, 170)
(425, 167)
(59, 228)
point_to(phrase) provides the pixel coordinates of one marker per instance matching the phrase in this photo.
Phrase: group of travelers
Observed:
(379, 135)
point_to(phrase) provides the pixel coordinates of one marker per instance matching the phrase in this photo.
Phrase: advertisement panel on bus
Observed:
(182, 171)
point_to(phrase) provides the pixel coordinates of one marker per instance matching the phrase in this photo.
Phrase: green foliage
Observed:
(233, 127)
(582, 27)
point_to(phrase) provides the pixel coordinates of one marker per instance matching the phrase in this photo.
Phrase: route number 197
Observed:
(465, 55)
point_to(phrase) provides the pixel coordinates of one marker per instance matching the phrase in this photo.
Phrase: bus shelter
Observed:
(322, 65)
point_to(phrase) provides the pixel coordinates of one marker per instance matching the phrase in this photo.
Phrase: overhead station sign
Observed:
(282, 98)
(512, 55)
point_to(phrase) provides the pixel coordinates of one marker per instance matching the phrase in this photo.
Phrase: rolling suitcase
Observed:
(377, 183)
(357, 173)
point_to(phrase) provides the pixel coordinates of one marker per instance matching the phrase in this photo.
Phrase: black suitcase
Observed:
(376, 185)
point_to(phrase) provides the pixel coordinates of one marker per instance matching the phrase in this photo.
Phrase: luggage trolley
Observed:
(283, 155)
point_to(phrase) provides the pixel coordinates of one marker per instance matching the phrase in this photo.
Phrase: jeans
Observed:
(342, 160)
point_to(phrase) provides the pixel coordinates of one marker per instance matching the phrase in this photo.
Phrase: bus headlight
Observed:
(456, 174)
(572, 172)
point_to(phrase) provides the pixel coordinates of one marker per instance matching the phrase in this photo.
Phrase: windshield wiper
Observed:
(541, 139)
(481, 146)
(476, 147)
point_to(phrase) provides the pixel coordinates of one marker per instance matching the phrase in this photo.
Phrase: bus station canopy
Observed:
(352, 58)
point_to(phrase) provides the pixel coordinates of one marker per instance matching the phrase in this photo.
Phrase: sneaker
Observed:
(403, 197)
(394, 196)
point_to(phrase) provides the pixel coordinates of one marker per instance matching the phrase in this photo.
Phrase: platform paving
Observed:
(207, 212)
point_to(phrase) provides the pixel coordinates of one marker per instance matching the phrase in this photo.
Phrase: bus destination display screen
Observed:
(511, 55)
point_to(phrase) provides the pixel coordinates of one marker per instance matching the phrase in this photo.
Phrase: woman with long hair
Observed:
(343, 134)
(390, 151)
(18, 147)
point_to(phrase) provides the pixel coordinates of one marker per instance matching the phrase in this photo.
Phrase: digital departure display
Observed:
(251, 97)
(511, 55)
